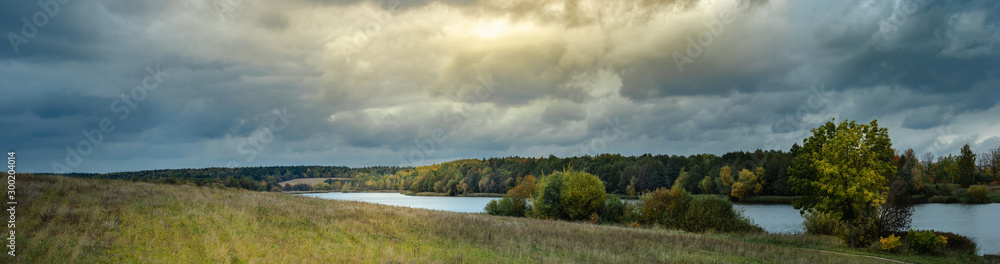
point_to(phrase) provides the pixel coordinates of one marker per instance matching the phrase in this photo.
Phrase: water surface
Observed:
(442, 203)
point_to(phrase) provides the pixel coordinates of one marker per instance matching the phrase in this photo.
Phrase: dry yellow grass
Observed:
(103, 221)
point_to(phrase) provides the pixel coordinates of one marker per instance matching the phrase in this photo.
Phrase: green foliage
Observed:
(978, 194)
(548, 199)
(819, 223)
(714, 213)
(842, 170)
(515, 202)
(925, 241)
(966, 167)
(665, 207)
(508, 206)
(620, 174)
(614, 210)
(632, 213)
(946, 189)
(707, 185)
(582, 194)
(569, 195)
(958, 243)
(630, 189)
(860, 232)
(942, 199)
(683, 180)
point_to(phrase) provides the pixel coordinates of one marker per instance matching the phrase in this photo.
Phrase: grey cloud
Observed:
(560, 112)
(924, 118)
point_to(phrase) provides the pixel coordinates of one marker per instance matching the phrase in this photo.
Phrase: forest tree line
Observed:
(738, 174)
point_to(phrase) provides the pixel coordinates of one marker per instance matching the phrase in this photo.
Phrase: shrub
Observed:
(978, 194)
(945, 189)
(942, 199)
(859, 232)
(665, 207)
(582, 195)
(493, 208)
(705, 213)
(714, 213)
(613, 211)
(632, 212)
(983, 177)
(890, 244)
(929, 190)
(508, 206)
(547, 202)
(568, 195)
(819, 223)
(958, 243)
(925, 241)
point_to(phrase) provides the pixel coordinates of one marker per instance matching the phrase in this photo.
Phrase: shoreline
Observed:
(756, 200)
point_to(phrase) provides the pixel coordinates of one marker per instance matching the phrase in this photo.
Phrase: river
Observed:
(978, 222)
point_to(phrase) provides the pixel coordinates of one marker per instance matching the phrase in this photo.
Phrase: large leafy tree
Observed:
(843, 170)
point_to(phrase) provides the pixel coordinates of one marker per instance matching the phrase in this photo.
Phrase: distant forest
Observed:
(628, 175)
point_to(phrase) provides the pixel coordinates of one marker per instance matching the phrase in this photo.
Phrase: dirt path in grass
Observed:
(855, 255)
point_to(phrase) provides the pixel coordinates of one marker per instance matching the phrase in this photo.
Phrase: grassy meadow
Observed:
(105, 221)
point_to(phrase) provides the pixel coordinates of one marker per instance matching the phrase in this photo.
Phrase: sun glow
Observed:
(499, 28)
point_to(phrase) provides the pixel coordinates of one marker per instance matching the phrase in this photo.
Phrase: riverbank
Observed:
(329, 191)
(994, 196)
(86, 221)
(496, 195)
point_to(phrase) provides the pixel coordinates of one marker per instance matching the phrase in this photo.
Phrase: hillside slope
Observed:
(88, 221)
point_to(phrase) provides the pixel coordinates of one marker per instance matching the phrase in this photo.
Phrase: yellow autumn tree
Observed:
(748, 184)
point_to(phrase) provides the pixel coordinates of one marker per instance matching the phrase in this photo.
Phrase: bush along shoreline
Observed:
(579, 196)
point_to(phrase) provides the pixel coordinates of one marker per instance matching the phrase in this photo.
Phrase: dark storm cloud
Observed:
(54, 31)
(568, 74)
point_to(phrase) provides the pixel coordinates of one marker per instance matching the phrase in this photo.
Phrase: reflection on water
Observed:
(974, 221)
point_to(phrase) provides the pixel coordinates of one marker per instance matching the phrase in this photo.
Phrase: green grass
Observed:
(104, 221)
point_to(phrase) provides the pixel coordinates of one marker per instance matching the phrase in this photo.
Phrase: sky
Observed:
(123, 85)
